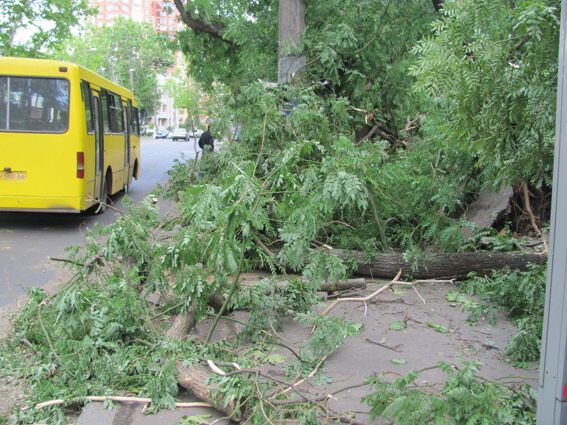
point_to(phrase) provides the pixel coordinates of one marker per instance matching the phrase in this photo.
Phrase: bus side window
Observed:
(105, 111)
(87, 100)
(116, 116)
(130, 124)
(136, 121)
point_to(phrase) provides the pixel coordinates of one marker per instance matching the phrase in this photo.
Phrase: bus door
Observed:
(127, 110)
(99, 148)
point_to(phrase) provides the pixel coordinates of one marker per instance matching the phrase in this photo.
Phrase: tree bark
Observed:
(196, 379)
(440, 265)
(215, 30)
(182, 324)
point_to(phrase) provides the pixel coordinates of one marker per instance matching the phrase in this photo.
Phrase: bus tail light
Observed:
(80, 165)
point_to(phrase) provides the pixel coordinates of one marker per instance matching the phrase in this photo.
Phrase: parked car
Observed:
(162, 134)
(179, 134)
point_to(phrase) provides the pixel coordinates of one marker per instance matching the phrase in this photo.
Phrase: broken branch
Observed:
(119, 399)
(362, 299)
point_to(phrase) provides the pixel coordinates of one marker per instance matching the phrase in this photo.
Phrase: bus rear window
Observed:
(38, 105)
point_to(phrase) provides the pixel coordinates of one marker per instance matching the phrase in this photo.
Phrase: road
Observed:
(28, 239)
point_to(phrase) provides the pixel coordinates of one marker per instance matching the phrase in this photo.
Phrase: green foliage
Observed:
(464, 399)
(316, 187)
(522, 296)
(31, 28)
(491, 240)
(186, 96)
(356, 47)
(82, 343)
(361, 48)
(195, 420)
(128, 53)
(490, 71)
(250, 26)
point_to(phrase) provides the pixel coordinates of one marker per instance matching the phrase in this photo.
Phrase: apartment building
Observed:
(162, 14)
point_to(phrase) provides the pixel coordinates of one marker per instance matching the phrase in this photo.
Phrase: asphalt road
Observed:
(28, 239)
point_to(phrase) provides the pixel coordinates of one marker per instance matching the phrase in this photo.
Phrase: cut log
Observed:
(441, 265)
(489, 208)
(196, 379)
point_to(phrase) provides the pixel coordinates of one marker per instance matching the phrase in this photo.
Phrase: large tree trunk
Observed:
(440, 265)
(196, 379)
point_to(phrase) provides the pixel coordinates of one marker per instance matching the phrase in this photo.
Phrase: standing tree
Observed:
(33, 27)
(358, 50)
(128, 53)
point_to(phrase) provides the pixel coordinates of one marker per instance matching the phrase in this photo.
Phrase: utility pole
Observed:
(291, 27)
(552, 400)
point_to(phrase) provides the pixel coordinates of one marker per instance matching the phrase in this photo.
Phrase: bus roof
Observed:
(48, 67)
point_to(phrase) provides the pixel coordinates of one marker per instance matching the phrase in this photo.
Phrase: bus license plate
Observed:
(13, 175)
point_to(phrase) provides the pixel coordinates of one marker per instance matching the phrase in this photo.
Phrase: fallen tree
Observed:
(457, 265)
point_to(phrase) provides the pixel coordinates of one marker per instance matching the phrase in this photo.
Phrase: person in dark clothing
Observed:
(206, 141)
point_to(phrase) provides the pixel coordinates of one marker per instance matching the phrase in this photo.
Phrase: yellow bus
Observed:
(69, 138)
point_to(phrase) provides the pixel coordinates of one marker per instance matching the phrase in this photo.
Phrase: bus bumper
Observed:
(40, 204)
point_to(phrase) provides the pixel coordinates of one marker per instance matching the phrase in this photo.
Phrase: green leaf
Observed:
(275, 359)
(322, 379)
(398, 325)
(399, 361)
(195, 420)
(439, 328)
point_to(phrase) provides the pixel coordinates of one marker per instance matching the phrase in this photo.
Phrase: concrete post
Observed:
(291, 27)
(552, 403)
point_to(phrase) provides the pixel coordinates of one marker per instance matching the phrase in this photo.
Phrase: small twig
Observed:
(86, 265)
(120, 399)
(362, 299)
(215, 368)
(528, 206)
(229, 297)
(112, 207)
(395, 348)
(262, 245)
(261, 401)
(350, 387)
(301, 381)
(283, 343)
(418, 294)
(64, 260)
(449, 281)
(47, 334)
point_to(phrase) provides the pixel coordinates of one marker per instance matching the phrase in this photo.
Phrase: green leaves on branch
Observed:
(490, 71)
(522, 297)
(32, 28)
(465, 398)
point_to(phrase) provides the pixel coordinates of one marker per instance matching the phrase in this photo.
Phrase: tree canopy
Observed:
(489, 72)
(128, 53)
(33, 27)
